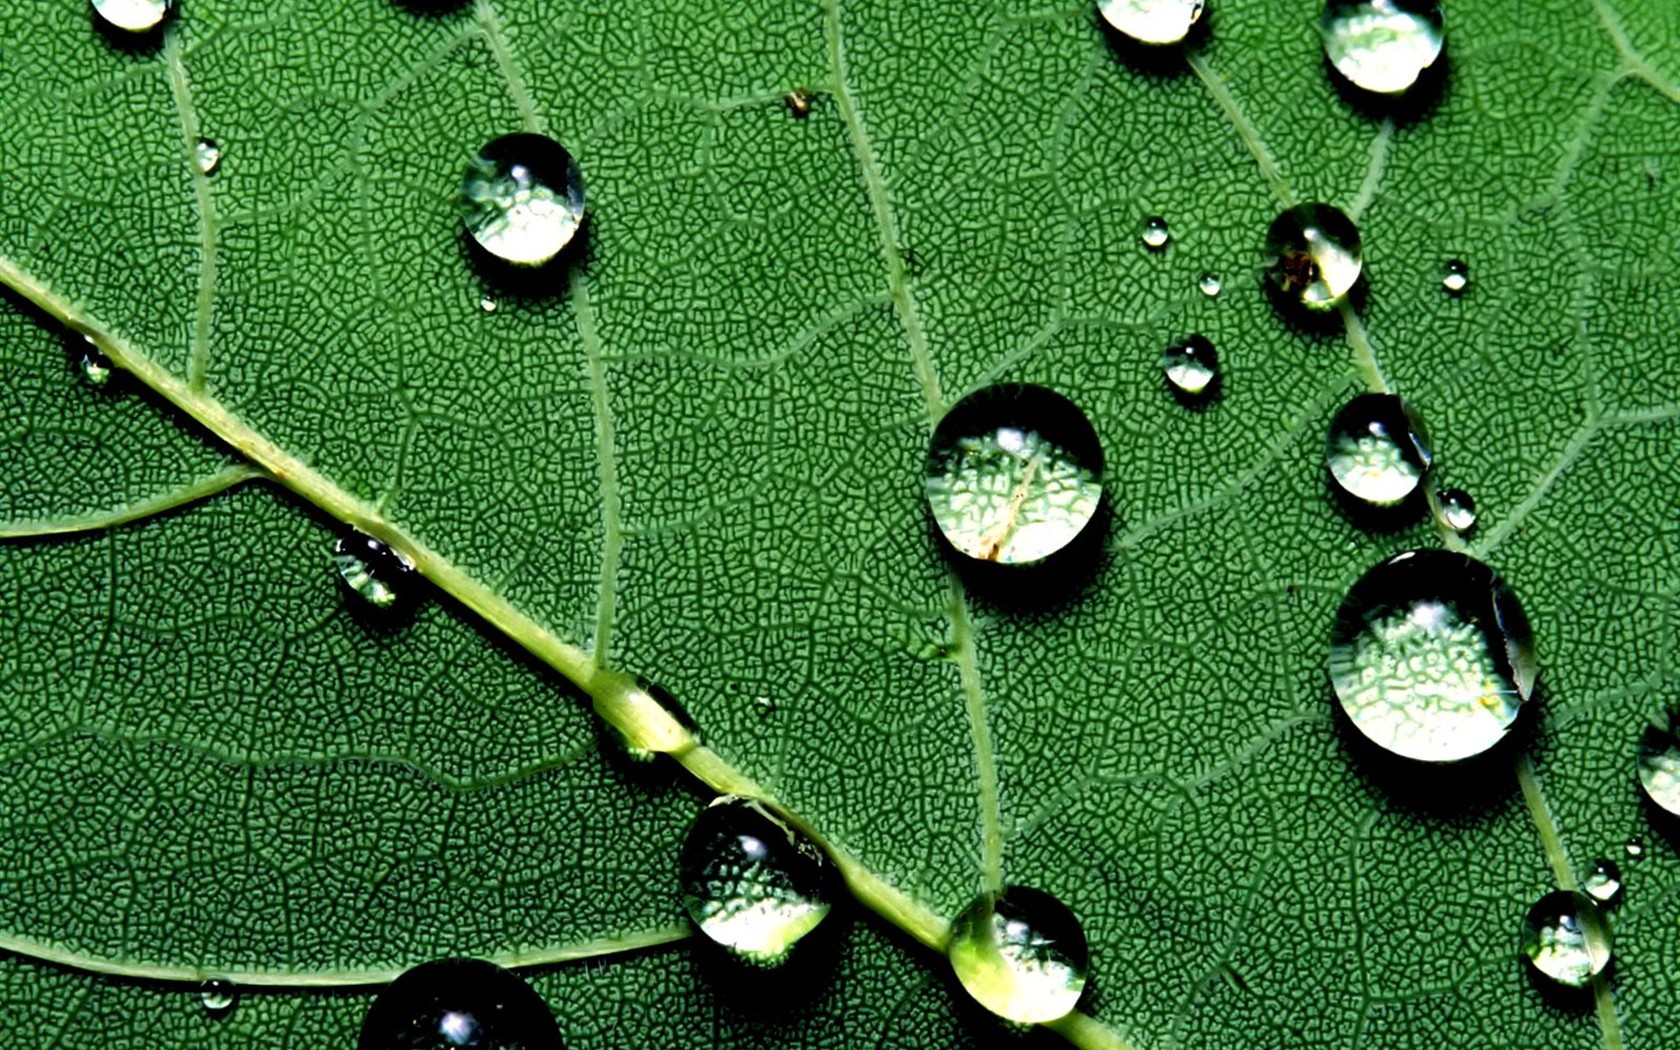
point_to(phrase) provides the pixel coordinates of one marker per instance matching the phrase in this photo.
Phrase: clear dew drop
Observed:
(522, 199)
(1659, 764)
(94, 367)
(373, 571)
(487, 304)
(1431, 656)
(1156, 235)
(133, 16)
(1458, 510)
(1377, 450)
(1604, 882)
(1152, 21)
(1566, 938)
(1208, 284)
(218, 997)
(1013, 474)
(452, 1004)
(752, 883)
(1191, 366)
(1382, 46)
(1314, 255)
(1635, 847)
(207, 156)
(1020, 954)
(1455, 278)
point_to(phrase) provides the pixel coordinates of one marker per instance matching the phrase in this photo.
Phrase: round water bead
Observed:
(1014, 474)
(1152, 21)
(1566, 939)
(522, 199)
(456, 1003)
(1382, 46)
(218, 997)
(1191, 366)
(1156, 235)
(1604, 882)
(1314, 255)
(1455, 279)
(206, 156)
(751, 882)
(381, 576)
(1458, 510)
(1377, 450)
(1659, 764)
(1208, 284)
(1020, 954)
(1431, 656)
(133, 16)
(1635, 847)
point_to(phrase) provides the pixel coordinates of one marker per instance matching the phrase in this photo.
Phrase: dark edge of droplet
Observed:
(389, 1020)
(410, 586)
(1412, 106)
(1661, 821)
(431, 8)
(1573, 1002)
(1210, 394)
(1156, 61)
(545, 280)
(144, 44)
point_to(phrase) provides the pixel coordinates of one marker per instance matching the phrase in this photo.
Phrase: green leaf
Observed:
(700, 456)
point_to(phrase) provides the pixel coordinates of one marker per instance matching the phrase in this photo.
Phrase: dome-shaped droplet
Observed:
(1455, 278)
(1604, 882)
(381, 576)
(133, 16)
(1659, 764)
(1208, 284)
(453, 1004)
(218, 997)
(1020, 954)
(1431, 656)
(1013, 474)
(207, 155)
(1635, 847)
(1191, 366)
(1377, 450)
(1566, 939)
(1156, 235)
(1314, 255)
(487, 304)
(751, 882)
(1152, 21)
(1458, 510)
(1382, 46)
(522, 199)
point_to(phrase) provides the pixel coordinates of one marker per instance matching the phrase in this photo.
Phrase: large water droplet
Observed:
(218, 997)
(522, 199)
(752, 883)
(1156, 235)
(1604, 882)
(1191, 366)
(1382, 46)
(1377, 450)
(1208, 284)
(1152, 21)
(1313, 255)
(1432, 657)
(1659, 764)
(133, 16)
(457, 1003)
(207, 155)
(1013, 474)
(1566, 939)
(381, 576)
(1458, 510)
(1022, 955)
(1455, 278)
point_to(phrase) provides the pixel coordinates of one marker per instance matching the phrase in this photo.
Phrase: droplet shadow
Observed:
(431, 8)
(143, 44)
(1057, 582)
(784, 992)
(1155, 61)
(1411, 106)
(548, 280)
(1373, 519)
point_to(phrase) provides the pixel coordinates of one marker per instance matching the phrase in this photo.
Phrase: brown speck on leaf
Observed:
(798, 102)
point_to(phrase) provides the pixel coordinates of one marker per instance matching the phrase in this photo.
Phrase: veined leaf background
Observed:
(703, 454)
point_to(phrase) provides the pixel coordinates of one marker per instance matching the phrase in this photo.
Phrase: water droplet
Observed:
(1209, 284)
(206, 154)
(1604, 883)
(454, 1003)
(798, 102)
(1566, 939)
(1458, 510)
(1313, 255)
(1022, 955)
(1635, 846)
(371, 569)
(1155, 235)
(1377, 450)
(218, 997)
(1013, 474)
(522, 199)
(95, 368)
(1382, 46)
(133, 16)
(1191, 366)
(1432, 657)
(752, 883)
(1455, 279)
(1659, 764)
(1152, 21)
(667, 724)
(487, 304)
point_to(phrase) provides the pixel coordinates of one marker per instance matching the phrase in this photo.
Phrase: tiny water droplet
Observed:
(1455, 279)
(207, 155)
(655, 705)
(1635, 846)
(798, 102)
(1314, 255)
(133, 16)
(1209, 284)
(1458, 510)
(1565, 938)
(1432, 657)
(1604, 883)
(1191, 366)
(95, 368)
(522, 198)
(487, 304)
(1020, 954)
(218, 997)
(1152, 21)
(457, 1003)
(1659, 764)
(1013, 474)
(1155, 235)
(751, 882)
(1377, 450)
(1382, 46)
(381, 576)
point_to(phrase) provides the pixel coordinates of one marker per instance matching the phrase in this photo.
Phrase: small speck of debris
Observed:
(798, 102)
